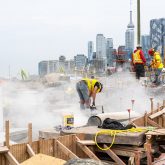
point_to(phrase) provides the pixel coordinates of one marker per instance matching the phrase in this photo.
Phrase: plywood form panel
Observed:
(46, 147)
(19, 152)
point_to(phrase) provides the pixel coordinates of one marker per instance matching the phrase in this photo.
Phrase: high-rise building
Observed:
(109, 50)
(157, 33)
(46, 67)
(101, 59)
(80, 61)
(145, 40)
(51, 66)
(100, 46)
(90, 51)
(129, 35)
(109, 43)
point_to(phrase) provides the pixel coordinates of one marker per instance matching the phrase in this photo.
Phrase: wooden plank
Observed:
(3, 160)
(163, 120)
(152, 105)
(114, 156)
(145, 119)
(157, 114)
(30, 150)
(160, 120)
(30, 134)
(86, 142)
(137, 158)
(4, 149)
(131, 160)
(87, 150)
(66, 151)
(156, 132)
(152, 123)
(7, 136)
(12, 160)
(19, 151)
(80, 153)
(148, 152)
(126, 151)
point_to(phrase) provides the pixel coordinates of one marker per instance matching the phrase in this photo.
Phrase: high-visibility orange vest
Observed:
(137, 58)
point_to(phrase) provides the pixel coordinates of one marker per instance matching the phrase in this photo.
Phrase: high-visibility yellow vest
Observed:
(137, 57)
(91, 83)
(157, 61)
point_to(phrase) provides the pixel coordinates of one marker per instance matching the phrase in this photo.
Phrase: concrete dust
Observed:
(46, 107)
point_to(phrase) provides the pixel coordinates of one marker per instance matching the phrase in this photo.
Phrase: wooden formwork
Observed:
(74, 145)
(155, 118)
(64, 147)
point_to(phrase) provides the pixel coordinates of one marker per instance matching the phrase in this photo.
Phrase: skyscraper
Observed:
(100, 46)
(129, 35)
(109, 49)
(145, 40)
(101, 59)
(90, 51)
(80, 61)
(157, 33)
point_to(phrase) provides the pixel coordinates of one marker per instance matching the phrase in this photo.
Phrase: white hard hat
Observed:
(138, 46)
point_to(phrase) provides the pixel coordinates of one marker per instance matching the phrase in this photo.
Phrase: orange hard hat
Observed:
(151, 51)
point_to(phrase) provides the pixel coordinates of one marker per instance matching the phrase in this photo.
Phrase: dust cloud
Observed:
(45, 107)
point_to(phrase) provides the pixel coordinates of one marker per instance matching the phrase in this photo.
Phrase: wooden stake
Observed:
(137, 158)
(152, 105)
(147, 147)
(7, 134)
(145, 119)
(163, 103)
(30, 134)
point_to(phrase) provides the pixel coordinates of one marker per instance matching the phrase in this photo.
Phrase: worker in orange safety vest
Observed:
(139, 61)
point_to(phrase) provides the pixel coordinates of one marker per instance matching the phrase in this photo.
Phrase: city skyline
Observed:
(32, 31)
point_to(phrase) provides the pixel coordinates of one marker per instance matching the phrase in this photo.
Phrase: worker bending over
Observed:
(86, 89)
(156, 64)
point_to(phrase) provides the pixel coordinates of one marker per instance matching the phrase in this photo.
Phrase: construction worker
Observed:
(88, 88)
(156, 64)
(138, 61)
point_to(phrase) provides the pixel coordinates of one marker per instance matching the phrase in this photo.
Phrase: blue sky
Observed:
(36, 30)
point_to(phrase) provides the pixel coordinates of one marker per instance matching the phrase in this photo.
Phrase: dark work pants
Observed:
(139, 69)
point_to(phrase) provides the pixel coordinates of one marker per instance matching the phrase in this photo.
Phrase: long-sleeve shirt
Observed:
(141, 55)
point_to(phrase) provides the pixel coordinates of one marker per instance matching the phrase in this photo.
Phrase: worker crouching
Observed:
(87, 89)
(156, 64)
